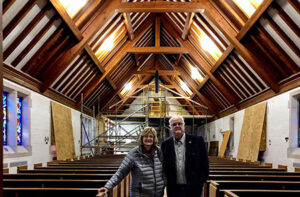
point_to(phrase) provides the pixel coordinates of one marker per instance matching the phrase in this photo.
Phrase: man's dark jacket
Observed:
(196, 161)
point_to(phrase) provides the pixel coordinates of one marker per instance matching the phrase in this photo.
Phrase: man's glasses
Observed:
(177, 123)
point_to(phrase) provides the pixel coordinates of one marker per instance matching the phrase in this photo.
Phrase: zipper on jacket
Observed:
(154, 176)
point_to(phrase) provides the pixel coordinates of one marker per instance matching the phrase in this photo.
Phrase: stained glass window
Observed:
(4, 127)
(19, 121)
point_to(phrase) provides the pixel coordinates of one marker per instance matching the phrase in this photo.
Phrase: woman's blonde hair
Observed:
(146, 131)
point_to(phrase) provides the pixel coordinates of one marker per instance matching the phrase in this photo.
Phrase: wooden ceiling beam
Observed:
(157, 31)
(128, 25)
(97, 63)
(254, 18)
(160, 7)
(19, 16)
(232, 97)
(132, 90)
(187, 26)
(160, 72)
(180, 90)
(119, 55)
(231, 34)
(156, 50)
(101, 17)
(195, 89)
(247, 26)
(25, 32)
(66, 18)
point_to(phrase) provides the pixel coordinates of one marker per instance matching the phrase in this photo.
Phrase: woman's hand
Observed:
(103, 190)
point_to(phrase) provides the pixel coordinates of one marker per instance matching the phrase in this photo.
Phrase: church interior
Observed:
(81, 79)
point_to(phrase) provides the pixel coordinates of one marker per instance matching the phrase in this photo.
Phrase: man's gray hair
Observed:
(175, 118)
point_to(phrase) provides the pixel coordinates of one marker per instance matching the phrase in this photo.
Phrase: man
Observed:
(185, 161)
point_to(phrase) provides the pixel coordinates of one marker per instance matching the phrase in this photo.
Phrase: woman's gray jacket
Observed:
(146, 174)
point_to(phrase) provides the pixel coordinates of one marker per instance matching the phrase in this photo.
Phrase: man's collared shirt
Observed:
(180, 160)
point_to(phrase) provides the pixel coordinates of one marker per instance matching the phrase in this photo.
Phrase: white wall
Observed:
(40, 124)
(277, 126)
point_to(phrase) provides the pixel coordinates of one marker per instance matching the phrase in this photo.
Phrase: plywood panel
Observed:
(251, 134)
(263, 141)
(63, 131)
(224, 143)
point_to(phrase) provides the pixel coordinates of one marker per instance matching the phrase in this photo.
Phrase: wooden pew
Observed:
(50, 192)
(287, 177)
(72, 171)
(53, 183)
(264, 193)
(56, 176)
(78, 167)
(216, 186)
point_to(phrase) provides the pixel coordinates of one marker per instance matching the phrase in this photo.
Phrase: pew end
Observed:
(282, 167)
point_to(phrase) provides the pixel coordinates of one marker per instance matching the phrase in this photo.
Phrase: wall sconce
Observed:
(286, 139)
(46, 139)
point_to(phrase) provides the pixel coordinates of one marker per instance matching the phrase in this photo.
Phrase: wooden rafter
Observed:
(132, 90)
(128, 25)
(97, 63)
(66, 18)
(187, 26)
(119, 55)
(157, 31)
(161, 7)
(247, 26)
(161, 72)
(195, 89)
(204, 65)
(170, 50)
(101, 17)
(179, 89)
(17, 19)
(231, 34)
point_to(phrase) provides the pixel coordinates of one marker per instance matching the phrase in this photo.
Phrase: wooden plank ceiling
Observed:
(237, 57)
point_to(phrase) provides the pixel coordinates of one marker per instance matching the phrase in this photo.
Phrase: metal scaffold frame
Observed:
(116, 137)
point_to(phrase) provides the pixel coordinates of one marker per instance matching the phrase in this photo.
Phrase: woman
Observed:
(145, 166)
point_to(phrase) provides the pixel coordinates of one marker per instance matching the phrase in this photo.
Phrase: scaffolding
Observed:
(118, 133)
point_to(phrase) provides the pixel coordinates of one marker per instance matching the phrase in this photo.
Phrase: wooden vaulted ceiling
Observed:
(62, 57)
